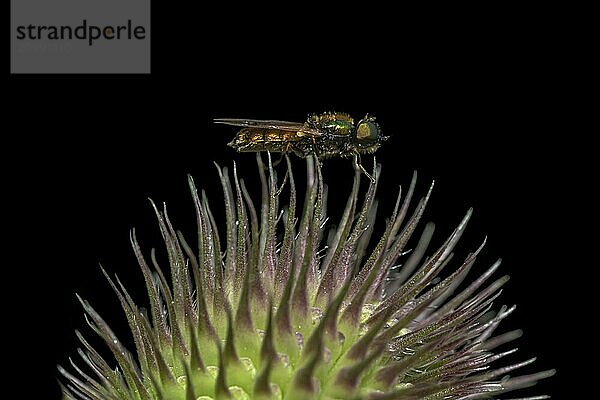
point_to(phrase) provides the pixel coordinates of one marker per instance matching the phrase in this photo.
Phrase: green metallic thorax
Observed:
(335, 123)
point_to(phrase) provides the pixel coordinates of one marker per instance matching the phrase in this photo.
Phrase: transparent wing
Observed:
(269, 124)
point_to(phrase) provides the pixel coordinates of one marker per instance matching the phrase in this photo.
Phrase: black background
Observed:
(476, 104)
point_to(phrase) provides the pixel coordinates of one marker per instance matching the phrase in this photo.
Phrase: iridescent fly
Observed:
(330, 134)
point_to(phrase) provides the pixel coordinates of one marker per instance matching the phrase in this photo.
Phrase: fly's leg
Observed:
(358, 166)
(286, 151)
(276, 163)
(285, 179)
(294, 148)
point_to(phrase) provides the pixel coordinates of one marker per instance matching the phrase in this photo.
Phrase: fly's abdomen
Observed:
(263, 139)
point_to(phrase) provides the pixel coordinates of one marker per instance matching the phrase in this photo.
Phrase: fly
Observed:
(326, 135)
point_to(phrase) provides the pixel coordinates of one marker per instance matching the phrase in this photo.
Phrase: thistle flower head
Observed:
(261, 308)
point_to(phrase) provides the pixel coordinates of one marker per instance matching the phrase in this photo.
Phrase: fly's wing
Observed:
(271, 135)
(301, 129)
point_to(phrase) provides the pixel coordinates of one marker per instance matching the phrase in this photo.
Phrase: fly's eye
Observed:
(367, 131)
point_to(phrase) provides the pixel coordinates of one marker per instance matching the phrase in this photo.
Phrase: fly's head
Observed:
(368, 135)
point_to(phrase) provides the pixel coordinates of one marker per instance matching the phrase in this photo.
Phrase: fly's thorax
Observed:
(330, 145)
(334, 123)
